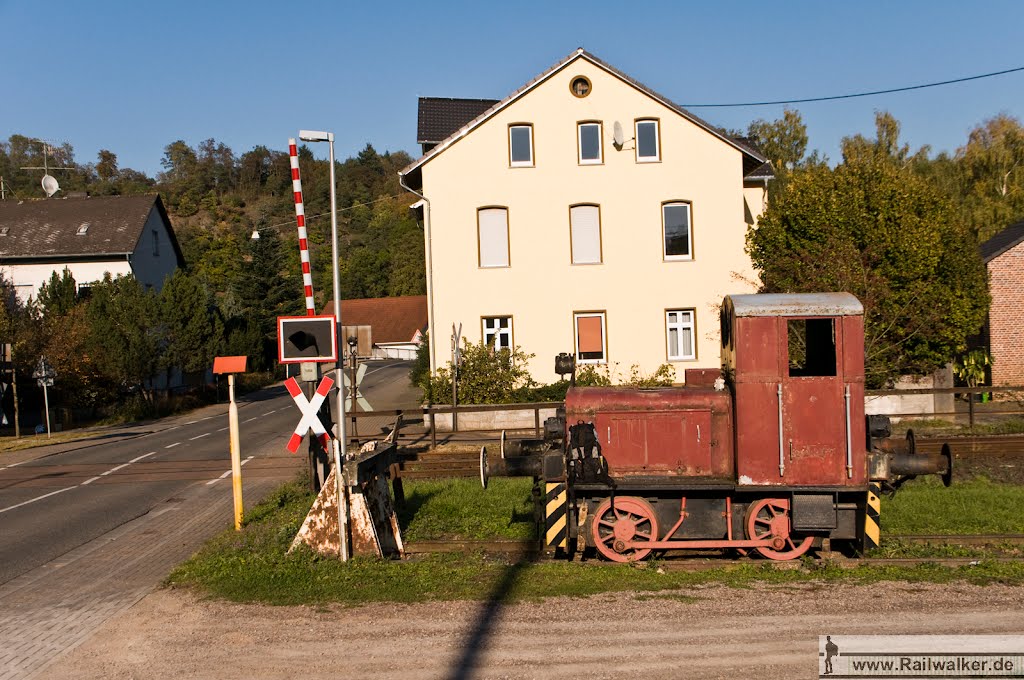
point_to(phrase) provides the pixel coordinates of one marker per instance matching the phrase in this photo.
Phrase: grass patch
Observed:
(978, 506)
(462, 509)
(31, 441)
(252, 565)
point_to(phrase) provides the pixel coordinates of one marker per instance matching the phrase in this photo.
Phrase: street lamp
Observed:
(319, 136)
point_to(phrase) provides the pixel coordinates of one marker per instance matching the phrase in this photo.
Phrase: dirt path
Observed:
(708, 632)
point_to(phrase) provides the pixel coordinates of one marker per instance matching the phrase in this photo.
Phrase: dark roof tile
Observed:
(1003, 241)
(439, 117)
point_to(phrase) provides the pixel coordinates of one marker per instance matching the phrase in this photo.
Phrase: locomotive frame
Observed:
(771, 455)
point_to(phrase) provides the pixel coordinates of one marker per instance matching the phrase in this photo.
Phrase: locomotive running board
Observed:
(697, 544)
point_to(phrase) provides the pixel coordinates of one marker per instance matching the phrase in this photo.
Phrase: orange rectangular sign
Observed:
(229, 364)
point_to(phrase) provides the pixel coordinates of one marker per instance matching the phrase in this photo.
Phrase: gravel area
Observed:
(765, 631)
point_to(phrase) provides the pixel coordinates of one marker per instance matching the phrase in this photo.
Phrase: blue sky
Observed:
(133, 77)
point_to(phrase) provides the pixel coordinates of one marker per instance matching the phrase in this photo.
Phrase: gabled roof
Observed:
(439, 117)
(393, 319)
(91, 227)
(752, 159)
(1003, 241)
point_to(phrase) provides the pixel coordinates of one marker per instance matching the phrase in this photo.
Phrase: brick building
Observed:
(1004, 258)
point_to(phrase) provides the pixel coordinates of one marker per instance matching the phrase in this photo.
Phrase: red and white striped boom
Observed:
(300, 219)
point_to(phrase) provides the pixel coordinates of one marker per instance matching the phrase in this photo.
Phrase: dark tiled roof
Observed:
(1003, 241)
(763, 171)
(752, 159)
(440, 117)
(393, 319)
(49, 228)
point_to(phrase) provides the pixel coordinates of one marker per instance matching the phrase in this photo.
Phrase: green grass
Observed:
(977, 506)
(253, 566)
(462, 509)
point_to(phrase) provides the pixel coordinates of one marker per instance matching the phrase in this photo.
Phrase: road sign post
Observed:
(44, 375)
(232, 365)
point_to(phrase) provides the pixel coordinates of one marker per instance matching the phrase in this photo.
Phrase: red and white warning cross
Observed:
(310, 412)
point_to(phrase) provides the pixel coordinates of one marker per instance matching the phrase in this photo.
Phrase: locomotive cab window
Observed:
(812, 347)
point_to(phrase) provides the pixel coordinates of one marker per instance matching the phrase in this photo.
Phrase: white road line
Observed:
(249, 421)
(145, 455)
(89, 481)
(206, 418)
(222, 429)
(205, 434)
(214, 481)
(192, 422)
(114, 469)
(13, 465)
(269, 412)
(171, 446)
(37, 498)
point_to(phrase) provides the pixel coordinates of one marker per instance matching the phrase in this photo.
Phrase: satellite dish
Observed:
(617, 136)
(50, 185)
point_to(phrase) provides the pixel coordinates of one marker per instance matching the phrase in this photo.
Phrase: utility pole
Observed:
(50, 187)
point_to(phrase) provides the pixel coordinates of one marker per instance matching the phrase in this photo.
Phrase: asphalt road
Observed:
(59, 502)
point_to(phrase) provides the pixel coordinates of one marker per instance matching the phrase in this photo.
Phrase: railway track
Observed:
(530, 549)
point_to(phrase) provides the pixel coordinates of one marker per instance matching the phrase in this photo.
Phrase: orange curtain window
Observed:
(589, 330)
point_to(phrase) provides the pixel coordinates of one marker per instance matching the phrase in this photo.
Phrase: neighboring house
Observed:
(88, 236)
(584, 213)
(385, 328)
(1004, 258)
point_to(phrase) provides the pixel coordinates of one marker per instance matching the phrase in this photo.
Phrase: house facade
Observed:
(384, 328)
(1004, 259)
(90, 237)
(587, 214)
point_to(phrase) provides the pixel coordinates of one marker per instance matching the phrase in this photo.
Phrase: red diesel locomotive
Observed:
(769, 455)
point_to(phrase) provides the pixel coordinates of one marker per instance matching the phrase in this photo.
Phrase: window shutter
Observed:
(493, 225)
(589, 330)
(586, 234)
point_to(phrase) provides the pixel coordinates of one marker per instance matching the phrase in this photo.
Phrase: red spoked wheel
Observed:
(769, 518)
(631, 519)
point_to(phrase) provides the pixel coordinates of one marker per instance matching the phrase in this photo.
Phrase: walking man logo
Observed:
(831, 649)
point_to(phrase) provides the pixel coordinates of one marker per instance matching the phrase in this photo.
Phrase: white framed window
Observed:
(520, 145)
(585, 234)
(591, 338)
(492, 236)
(648, 141)
(677, 241)
(497, 331)
(588, 136)
(679, 334)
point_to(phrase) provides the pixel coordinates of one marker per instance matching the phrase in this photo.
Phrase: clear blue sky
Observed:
(133, 77)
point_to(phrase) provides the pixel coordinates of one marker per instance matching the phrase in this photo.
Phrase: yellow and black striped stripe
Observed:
(872, 521)
(555, 520)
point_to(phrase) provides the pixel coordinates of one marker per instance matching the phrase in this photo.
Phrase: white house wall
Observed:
(151, 266)
(28, 278)
(634, 285)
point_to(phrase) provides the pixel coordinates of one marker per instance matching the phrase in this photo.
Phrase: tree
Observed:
(106, 165)
(485, 376)
(124, 337)
(875, 228)
(992, 163)
(783, 141)
(59, 295)
(192, 329)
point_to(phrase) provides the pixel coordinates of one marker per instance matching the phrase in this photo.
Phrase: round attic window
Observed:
(580, 86)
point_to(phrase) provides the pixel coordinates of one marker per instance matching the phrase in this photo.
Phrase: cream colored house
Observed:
(584, 213)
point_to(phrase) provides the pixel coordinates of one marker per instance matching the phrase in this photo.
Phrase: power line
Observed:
(860, 94)
(340, 210)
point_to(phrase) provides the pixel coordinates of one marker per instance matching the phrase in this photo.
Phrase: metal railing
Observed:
(971, 407)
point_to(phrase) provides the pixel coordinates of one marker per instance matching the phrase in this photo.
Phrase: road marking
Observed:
(206, 418)
(13, 464)
(269, 412)
(250, 420)
(89, 481)
(222, 429)
(171, 446)
(114, 469)
(145, 455)
(205, 434)
(192, 422)
(214, 481)
(37, 498)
